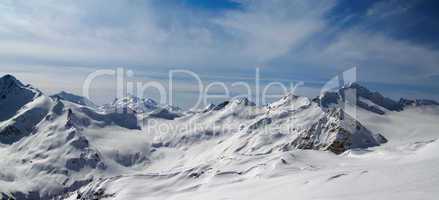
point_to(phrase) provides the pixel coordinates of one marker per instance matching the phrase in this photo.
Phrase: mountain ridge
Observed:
(69, 146)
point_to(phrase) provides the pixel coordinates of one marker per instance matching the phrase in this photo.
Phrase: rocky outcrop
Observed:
(87, 158)
(336, 132)
(417, 102)
(368, 100)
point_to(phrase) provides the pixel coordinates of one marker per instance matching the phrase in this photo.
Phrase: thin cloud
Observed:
(291, 40)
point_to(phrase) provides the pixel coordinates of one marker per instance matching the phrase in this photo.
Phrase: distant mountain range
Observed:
(65, 146)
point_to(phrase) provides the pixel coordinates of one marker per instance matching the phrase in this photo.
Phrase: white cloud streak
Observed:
(142, 33)
(129, 33)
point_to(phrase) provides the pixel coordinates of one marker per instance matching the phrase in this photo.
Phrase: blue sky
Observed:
(394, 44)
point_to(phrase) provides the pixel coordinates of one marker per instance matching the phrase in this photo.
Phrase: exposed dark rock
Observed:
(338, 137)
(370, 108)
(328, 99)
(14, 95)
(164, 114)
(87, 158)
(331, 99)
(417, 102)
(130, 159)
(244, 101)
(260, 123)
(221, 105)
(11, 134)
(80, 143)
(124, 119)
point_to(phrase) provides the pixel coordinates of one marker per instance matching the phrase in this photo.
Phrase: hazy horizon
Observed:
(393, 44)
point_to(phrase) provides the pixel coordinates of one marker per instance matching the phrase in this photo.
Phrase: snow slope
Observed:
(403, 168)
(57, 147)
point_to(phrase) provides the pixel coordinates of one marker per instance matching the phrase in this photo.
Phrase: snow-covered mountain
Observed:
(22, 107)
(132, 104)
(366, 99)
(138, 105)
(74, 99)
(14, 95)
(64, 147)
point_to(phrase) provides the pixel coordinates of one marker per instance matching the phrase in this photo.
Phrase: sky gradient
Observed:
(393, 44)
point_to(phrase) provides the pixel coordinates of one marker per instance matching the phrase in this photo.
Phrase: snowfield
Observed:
(65, 147)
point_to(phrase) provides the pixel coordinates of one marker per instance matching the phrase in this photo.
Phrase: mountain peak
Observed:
(291, 100)
(135, 99)
(150, 102)
(243, 101)
(8, 80)
(14, 95)
(75, 99)
(8, 76)
(135, 103)
(64, 92)
(362, 97)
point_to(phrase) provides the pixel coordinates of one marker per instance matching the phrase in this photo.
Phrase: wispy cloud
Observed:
(117, 32)
(291, 39)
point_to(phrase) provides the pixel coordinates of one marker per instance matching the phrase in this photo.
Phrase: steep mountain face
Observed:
(14, 95)
(299, 123)
(22, 107)
(365, 99)
(61, 149)
(374, 97)
(291, 123)
(61, 146)
(259, 159)
(362, 97)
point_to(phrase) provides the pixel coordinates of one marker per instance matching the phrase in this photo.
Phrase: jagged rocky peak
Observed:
(131, 103)
(208, 108)
(366, 99)
(329, 99)
(221, 105)
(8, 81)
(243, 101)
(362, 97)
(149, 102)
(136, 103)
(375, 97)
(238, 101)
(337, 132)
(291, 100)
(135, 99)
(9, 84)
(14, 95)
